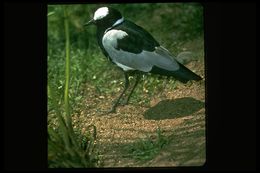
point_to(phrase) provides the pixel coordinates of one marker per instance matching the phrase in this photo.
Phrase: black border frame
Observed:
(230, 44)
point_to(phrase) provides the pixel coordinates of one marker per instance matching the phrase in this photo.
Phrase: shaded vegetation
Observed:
(147, 148)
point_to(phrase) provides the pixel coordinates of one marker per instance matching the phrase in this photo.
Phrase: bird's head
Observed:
(106, 17)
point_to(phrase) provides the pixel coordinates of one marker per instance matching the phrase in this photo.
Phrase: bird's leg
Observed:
(113, 109)
(138, 77)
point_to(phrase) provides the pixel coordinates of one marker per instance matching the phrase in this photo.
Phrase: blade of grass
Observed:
(60, 118)
(67, 68)
(67, 77)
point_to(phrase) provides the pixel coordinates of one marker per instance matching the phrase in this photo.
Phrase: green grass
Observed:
(67, 149)
(146, 149)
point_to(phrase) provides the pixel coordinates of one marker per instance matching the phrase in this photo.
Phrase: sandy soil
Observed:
(178, 113)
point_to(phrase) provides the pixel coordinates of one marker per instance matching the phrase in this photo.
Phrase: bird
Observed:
(134, 50)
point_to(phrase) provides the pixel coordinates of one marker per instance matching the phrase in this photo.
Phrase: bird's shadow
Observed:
(169, 109)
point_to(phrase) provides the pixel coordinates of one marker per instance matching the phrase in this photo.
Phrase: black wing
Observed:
(137, 40)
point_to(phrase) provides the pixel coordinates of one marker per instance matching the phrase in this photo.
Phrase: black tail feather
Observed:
(183, 74)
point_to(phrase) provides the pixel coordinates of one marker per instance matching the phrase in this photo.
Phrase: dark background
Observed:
(230, 41)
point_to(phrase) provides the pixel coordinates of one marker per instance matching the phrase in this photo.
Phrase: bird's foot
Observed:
(109, 111)
(124, 102)
(112, 110)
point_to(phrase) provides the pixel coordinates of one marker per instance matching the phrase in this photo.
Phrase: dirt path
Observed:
(177, 115)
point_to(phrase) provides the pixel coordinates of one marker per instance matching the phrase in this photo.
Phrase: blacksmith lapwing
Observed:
(133, 49)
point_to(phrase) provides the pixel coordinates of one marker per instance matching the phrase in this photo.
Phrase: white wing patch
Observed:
(101, 13)
(125, 68)
(143, 61)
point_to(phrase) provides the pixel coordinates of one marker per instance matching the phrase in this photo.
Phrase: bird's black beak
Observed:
(89, 22)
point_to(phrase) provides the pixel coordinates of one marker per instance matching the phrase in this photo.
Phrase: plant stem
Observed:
(67, 70)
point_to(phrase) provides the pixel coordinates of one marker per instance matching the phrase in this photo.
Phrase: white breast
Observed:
(110, 38)
(109, 42)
